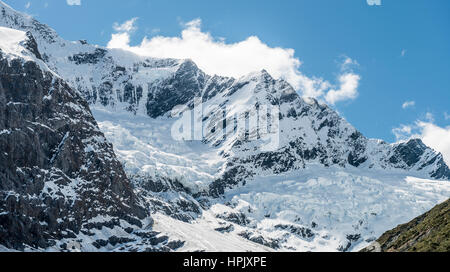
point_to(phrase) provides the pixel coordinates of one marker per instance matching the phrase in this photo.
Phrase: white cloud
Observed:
(374, 2)
(403, 132)
(119, 40)
(28, 5)
(348, 64)
(155, 30)
(348, 89)
(349, 83)
(73, 2)
(437, 138)
(127, 26)
(122, 38)
(408, 104)
(216, 56)
(429, 117)
(432, 135)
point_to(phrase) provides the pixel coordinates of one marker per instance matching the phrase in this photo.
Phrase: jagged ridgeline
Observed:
(310, 132)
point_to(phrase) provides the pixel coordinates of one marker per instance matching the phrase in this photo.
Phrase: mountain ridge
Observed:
(152, 87)
(61, 183)
(192, 81)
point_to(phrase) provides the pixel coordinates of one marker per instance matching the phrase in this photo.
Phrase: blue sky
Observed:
(401, 47)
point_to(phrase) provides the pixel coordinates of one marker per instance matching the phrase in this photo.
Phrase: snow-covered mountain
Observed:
(308, 181)
(61, 183)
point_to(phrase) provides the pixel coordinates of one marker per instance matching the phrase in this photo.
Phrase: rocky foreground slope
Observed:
(429, 232)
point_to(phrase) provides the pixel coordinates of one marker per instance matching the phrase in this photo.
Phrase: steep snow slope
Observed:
(145, 146)
(10, 42)
(314, 208)
(115, 78)
(308, 131)
(201, 236)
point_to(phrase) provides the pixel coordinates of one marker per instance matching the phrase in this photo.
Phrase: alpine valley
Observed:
(87, 162)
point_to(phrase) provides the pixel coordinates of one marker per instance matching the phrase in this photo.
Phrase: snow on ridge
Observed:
(11, 40)
(13, 46)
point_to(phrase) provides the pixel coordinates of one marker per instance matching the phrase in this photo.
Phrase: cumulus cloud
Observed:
(429, 117)
(431, 134)
(436, 137)
(127, 26)
(73, 2)
(216, 56)
(403, 132)
(374, 2)
(348, 83)
(121, 39)
(348, 64)
(348, 89)
(408, 104)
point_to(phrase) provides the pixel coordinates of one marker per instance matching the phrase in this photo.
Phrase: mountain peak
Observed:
(22, 21)
(257, 76)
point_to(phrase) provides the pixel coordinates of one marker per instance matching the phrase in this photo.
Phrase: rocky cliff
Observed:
(60, 181)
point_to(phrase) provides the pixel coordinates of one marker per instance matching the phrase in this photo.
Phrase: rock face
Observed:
(429, 232)
(60, 178)
(309, 133)
(167, 196)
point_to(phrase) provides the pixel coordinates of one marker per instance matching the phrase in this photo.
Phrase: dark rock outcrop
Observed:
(89, 58)
(180, 89)
(57, 171)
(410, 153)
(167, 196)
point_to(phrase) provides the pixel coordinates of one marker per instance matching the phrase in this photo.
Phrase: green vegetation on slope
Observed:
(429, 232)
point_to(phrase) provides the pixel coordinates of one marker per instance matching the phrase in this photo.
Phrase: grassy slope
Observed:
(429, 232)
